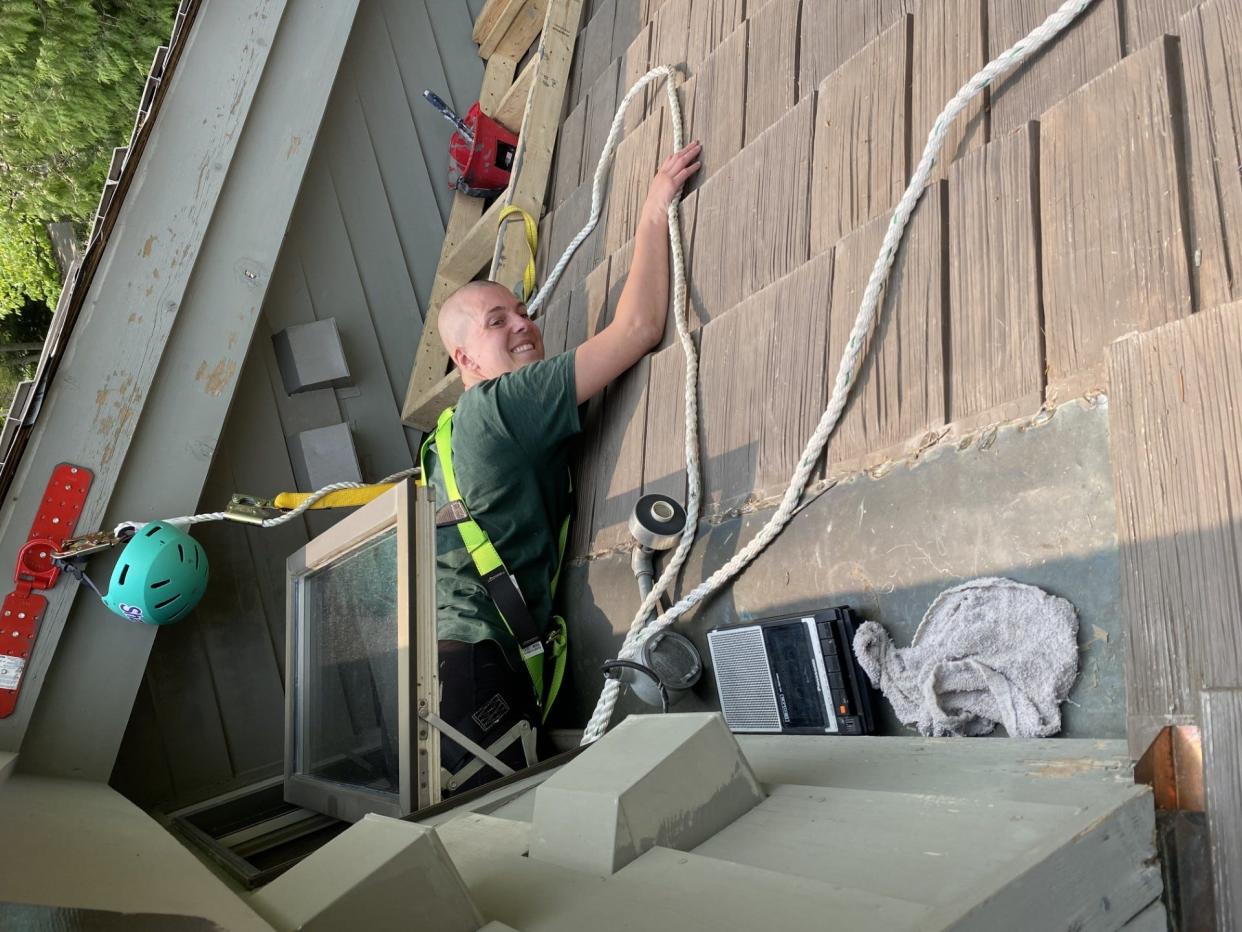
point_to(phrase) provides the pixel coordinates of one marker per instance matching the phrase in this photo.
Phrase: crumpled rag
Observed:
(988, 651)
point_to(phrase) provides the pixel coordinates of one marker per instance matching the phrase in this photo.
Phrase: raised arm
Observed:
(642, 308)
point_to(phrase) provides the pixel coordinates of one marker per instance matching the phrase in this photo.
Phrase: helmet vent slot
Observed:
(162, 582)
(120, 580)
(167, 601)
(180, 553)
(196, 556)
(154, 529)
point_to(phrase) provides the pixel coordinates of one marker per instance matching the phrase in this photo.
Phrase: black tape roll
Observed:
(645, 515)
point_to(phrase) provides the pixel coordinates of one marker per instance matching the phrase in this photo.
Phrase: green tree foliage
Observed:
(71, 72)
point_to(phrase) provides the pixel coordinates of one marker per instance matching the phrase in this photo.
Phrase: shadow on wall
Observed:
(1034, 505)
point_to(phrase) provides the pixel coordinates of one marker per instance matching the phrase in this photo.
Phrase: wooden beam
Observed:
(428, 389)
(533, 161)
(169, 369)
(495, 21)
(517, 41)
(512, 106)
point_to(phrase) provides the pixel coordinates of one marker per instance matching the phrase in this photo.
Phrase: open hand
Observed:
(671, 178)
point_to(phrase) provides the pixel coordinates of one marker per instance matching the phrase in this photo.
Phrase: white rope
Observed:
(640, 630)
(188, 520)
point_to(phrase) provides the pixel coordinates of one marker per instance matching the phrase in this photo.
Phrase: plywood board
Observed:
(860, 138)
(1213, 86)
(714, 112)
(756, 418)
(899, 392)
(950, 46)
(751, 226)
(1222, 779)
(832, 32)
(1175, 418)
(711, 22)
(771, 65)
(995, 352)
(1147, 20)
(637, 158)
(567, 173)
(1113, 242)
(1087, 48)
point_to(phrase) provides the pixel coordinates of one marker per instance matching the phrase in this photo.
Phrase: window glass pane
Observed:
(347, 698)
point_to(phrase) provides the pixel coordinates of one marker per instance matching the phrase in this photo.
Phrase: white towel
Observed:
(987, 651)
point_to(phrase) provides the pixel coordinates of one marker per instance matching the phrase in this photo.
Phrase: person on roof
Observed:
(508, 440)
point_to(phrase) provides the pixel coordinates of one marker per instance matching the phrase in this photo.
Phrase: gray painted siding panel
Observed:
(362, 247)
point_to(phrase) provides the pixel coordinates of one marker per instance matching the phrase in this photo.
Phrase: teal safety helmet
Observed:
(159, 577)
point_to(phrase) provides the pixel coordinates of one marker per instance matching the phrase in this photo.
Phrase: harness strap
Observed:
(501, 585)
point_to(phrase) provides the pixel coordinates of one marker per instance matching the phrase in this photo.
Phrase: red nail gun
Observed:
(480, 152)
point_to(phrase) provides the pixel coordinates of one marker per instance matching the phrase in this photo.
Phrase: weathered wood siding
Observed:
(361, 248)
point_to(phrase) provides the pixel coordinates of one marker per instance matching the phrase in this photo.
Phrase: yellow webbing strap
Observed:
(346, 498)
(532, 240)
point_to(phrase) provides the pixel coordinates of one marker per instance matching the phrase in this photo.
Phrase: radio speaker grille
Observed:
(744, 680)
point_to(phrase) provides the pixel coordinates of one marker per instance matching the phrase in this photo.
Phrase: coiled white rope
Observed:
(126, 527)
(640, 630)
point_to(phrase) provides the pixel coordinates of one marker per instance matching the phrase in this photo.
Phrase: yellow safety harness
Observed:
(536, 648)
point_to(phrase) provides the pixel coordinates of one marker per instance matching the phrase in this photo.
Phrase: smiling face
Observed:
(487, 333)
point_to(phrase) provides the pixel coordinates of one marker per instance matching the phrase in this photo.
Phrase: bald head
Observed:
(486, 332)
(465, 306)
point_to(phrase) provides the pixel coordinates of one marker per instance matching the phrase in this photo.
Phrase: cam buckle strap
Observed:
(503, 589)
(454, 512)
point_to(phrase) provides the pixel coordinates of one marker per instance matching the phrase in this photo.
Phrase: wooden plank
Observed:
(832, 33)
(1175, 422)
(173, 272)
(1147, 20)
(625, 28)
(1222, 779)
(1086, 49)
(533, 160)
(638, 157)
(899, 392)
(756, 418)
(596, 43)
(950, 46)
(618, 463)
(995, 355)
(664, 456)
(670, 28)
(409, 180)
(410, 30)
(512, 106)
(601, 107)
(1213, 86)
(245, 677)
(567, 176)
(493, 23)
(765, 188)
(715, 111)
(142, 773)
(517, 42)
(771, 65)
(1110, 207)
(861, 138)
(320, 238)
(634, 64)
(587, 311)
(711, 22)
(371, 232)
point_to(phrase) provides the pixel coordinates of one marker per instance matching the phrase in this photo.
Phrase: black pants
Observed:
(482, 697)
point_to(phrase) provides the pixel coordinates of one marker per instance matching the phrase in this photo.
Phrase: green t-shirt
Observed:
(511, 439)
